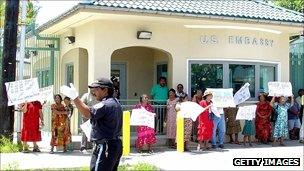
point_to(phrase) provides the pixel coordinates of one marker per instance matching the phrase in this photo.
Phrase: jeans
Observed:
(294, 123)
(218, 123)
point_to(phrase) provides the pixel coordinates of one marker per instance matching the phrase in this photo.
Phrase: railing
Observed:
(159, 109)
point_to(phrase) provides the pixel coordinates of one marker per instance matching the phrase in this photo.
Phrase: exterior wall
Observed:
(140, 71)
(79, 58)
(102, 37)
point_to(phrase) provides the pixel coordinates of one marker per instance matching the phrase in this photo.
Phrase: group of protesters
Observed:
(276, 118)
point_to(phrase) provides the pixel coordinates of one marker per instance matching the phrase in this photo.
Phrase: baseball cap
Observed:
(102, 82)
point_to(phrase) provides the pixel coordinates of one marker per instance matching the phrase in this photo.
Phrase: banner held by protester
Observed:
(22, 91)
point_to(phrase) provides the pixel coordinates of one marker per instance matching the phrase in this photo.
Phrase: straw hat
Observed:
(207, 92)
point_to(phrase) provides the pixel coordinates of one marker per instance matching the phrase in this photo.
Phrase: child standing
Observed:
(248, 131)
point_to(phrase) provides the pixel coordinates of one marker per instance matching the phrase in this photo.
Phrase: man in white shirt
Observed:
(90, 100)
(218, 118)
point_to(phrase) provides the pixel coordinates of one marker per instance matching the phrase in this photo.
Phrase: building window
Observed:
(69, 74)
(231, 74)
(162, 71)
(241, 74)
(267, 74)
(206, 76)
(43, 78)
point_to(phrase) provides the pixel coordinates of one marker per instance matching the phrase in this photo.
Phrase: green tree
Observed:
(31, 13)
(296, 5)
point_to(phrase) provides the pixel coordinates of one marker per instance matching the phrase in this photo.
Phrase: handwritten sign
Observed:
(280, 89)
(222, 97)
(142, 117)
(246, 112)
(191, 110)
(46, 93)
(87, 129)
(242, 95)
(21, 91)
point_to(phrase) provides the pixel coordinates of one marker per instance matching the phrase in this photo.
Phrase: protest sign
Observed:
(215, 111)
(87, 128)
(280, 89)
(21, 91)
(46, 93)
(142, 117)
(191, 110)
(222, 97)
(242, 95)
(246, 112)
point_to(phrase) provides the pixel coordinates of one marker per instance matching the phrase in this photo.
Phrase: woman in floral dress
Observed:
(281, 124)
(61, 135)
(145, 134)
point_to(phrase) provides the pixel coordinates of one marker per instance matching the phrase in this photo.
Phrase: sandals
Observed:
(36, 149)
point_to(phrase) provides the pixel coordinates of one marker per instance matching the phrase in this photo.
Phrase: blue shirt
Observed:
(106, 119)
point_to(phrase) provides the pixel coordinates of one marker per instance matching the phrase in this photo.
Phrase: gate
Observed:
(297, 64)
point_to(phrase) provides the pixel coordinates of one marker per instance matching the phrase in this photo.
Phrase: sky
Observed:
(51, 9)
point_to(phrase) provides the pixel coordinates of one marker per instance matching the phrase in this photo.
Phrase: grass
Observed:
(139, 166)
(7, 146)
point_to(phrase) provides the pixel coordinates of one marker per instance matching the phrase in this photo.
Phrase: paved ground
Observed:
(164, 158)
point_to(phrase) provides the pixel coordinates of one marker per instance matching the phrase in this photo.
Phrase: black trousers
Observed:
(106, 156)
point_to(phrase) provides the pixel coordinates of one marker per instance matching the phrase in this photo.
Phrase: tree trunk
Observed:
(8, 66)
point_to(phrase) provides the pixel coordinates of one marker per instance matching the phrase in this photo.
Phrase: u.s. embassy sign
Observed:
(237, 40)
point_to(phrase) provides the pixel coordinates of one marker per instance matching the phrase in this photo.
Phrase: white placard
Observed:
(222, 97)
(191, 110)
(21, 91)
(242, 95)
(46, 93)
(215, 111)
(142, 117)
(87, 129)
(246, 112)
(280, 89)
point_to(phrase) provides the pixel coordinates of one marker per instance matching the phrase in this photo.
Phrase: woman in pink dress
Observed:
(205, 123)
(171, 118)
(145, 134)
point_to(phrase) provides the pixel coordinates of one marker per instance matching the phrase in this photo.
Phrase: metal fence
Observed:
(160, 111)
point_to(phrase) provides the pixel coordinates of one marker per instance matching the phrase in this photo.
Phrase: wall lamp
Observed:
(70, 39)
(144, 35)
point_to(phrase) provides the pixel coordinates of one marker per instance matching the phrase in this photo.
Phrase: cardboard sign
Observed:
(222, 97)
(242, 95)
(191, 110)
(280, 89)
(22, 91)
(87, 129)
(142, 117)
(246, 112)
(46, 93)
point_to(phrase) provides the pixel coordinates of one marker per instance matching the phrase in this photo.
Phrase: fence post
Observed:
(126, 133)
(180, 132)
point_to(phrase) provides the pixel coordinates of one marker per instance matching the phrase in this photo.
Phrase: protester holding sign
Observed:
(248, 131)
(262, 121)
(205, 123)
(61, 135)
(281, 126)
(145, 134)
(32, 114)
(187, 121)
(233, 126)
